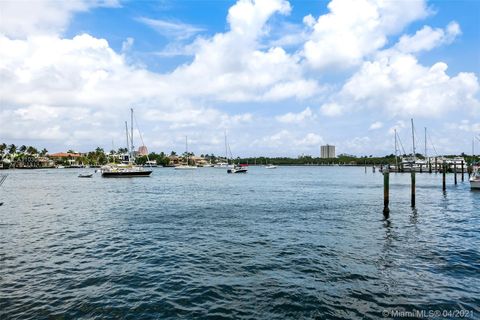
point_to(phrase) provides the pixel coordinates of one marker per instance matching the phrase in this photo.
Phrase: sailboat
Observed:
(127, 168)
(236, 167)
(224, 164)
(186, 166)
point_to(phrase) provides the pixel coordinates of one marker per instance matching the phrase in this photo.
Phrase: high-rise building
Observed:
(327, 151)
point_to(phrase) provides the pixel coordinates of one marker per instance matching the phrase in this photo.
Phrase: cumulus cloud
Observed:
(354, 29)
(287, 138)
(79, 89)
(20, 19)
(332, 109)
(428, 38)
(401, 86)
(300, 117)
(465, 125)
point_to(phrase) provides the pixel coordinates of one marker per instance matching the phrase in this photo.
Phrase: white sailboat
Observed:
(224, 164)
(186, 166)
(237, 168)
(127, 168)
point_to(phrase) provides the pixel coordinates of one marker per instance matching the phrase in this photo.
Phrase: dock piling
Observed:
(386, 195)
(463, 171)
(444, 169)
(413, 188)
(455, 173)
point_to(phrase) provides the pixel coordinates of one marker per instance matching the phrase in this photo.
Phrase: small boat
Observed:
(475, 178)
(238, 169)
(223, 165)
(270, 166)
(85, 175)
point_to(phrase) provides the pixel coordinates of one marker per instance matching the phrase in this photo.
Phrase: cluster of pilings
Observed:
(386, 184)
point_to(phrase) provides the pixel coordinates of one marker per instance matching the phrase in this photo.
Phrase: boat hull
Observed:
(475, 184)
(237, 171)
(126, 174)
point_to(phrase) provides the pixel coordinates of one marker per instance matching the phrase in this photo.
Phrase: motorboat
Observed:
(85, 175)
(270, 166)
(475, 178)
(238, 169)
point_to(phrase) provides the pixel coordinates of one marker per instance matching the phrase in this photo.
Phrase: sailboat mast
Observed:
(396, 150)
(226, 152)
(186, 147)
(126, 132)
(425, 142)
(131, 130)
(413, 140)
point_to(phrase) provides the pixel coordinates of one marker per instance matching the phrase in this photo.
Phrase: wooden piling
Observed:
(413, 188)
(421, 166)
(429, 166)
(386, 195)
(365, 166)
(436, 166)
(444, 184)
(463, 171)
(455, 172)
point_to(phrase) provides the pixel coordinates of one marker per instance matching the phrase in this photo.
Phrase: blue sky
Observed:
(283, 77)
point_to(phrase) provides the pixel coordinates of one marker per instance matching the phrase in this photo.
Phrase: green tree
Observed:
(3, 147)
(23, 148)
(12, 149)
(32, 150)
(43, 152)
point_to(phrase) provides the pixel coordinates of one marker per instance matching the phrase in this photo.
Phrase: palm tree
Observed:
(12, 149)
(32, 150)
(3, 146)
(23, 148)
(43, 152)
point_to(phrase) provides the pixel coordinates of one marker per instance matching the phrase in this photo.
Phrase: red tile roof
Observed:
(64, 155)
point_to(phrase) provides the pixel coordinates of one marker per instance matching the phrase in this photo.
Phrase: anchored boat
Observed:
(126, 169)
(475, 178)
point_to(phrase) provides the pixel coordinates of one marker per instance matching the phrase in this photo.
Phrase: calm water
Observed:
(295, 242)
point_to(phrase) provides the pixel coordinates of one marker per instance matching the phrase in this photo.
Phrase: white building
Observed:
(327, 151)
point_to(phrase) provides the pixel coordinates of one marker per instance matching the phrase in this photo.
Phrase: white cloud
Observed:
(127, 44)
(284, 138)
(399, 85)
(332, 109)
(428, 38)
(465, 125)
(376, 125)
(397, 127)
(354, 29)
(20, 19)
(300, 117)
(172, 29)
